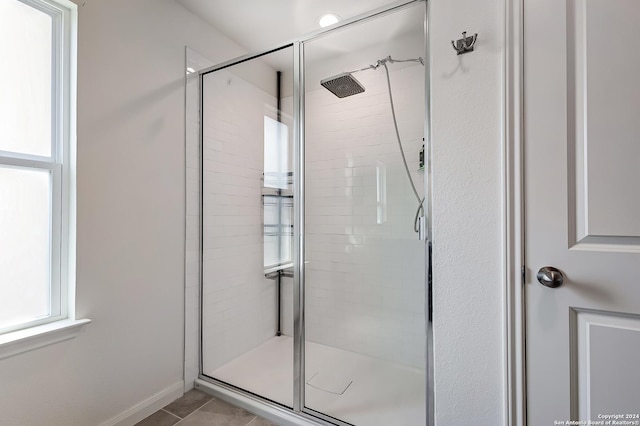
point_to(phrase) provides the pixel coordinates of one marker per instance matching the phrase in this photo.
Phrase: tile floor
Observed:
(197, 408)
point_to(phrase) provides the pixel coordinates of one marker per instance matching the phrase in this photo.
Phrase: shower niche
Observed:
(313, 278)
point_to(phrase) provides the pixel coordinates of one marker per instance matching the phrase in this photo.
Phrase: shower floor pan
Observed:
(352, 387)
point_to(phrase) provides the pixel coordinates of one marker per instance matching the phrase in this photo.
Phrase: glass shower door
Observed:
(247, 204)
(312, 182)
(365, 336)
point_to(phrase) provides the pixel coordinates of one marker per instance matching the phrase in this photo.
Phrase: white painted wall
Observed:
(468, 282)
(131, 221)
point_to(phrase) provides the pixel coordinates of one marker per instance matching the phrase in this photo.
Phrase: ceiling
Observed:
(261, 24)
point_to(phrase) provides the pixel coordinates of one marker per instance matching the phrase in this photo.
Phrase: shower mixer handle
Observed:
(422, 228)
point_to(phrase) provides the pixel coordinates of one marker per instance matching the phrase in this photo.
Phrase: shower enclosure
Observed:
(313, 184)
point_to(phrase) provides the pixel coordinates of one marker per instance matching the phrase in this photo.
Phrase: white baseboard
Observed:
(147, 407)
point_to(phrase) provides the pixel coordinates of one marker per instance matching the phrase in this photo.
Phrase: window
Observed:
(277, 196)
(36, 142)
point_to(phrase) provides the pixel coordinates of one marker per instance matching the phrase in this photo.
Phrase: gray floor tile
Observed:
(219, 413)
(206, 418)
(159, 418)
(220, 407)
(189, 402)
(259, 421)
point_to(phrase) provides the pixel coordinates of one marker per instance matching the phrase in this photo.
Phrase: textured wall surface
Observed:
(467, 211)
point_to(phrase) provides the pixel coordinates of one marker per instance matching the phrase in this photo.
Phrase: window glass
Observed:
(36, 108)
(277, 195)
(276, 143)
(25, 235)
(25, 79)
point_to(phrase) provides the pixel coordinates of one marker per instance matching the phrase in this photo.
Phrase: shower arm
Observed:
(387, 60)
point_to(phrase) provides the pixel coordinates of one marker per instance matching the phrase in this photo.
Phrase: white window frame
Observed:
(61, 165)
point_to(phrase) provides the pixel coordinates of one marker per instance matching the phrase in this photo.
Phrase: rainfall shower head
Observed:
(343, 85)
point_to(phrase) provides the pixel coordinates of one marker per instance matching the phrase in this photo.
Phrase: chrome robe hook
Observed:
(465, 44)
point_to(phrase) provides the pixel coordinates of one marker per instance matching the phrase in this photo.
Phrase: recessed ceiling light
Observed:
(328, 19)
(190, 70)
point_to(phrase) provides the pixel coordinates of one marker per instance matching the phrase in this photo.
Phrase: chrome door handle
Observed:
(550, 277)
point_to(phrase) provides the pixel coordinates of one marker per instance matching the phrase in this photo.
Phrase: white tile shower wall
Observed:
(366, 273)
(239, 304)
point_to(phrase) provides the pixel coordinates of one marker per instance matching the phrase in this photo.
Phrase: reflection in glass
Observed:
(381, 192)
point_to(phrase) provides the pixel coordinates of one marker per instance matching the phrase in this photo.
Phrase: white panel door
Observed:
(582, 209)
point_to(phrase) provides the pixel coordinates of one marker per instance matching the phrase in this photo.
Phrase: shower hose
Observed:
(420, 209)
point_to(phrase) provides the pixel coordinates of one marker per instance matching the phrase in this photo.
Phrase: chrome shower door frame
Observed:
(299, 409)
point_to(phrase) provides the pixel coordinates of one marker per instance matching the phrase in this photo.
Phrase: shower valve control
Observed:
(422, 228)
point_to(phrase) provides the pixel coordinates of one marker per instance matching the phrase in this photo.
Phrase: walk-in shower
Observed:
(313, 280)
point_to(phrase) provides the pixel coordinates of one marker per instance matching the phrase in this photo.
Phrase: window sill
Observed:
(32, 338)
